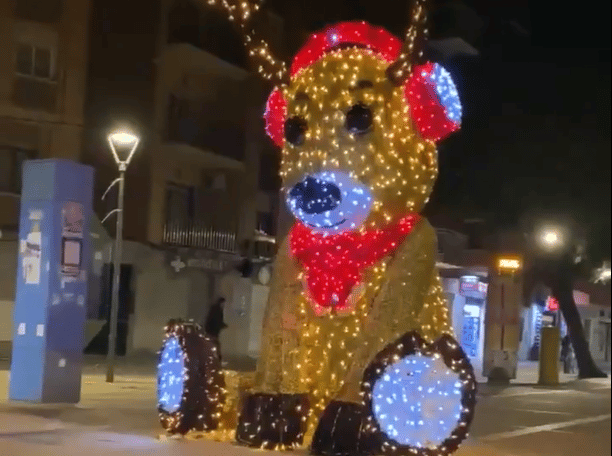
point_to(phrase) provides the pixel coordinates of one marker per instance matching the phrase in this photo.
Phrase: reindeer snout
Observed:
(313, 196)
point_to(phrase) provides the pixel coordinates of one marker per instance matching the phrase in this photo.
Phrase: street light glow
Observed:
(551, 238)
(123, 137)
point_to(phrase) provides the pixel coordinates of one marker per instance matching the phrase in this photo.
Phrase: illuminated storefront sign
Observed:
(472, 285)
(552, 304)
(509, 264)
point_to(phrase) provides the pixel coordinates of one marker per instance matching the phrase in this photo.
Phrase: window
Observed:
(180, 205)
(11, 163)
(269, 169)
(34, 61)
(265, 223)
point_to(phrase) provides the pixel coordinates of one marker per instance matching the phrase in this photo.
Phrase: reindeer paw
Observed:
(190, 381)
(345, 429)
(272, 421)
(420, 396)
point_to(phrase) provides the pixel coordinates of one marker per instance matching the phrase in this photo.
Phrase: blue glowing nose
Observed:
(313, 196)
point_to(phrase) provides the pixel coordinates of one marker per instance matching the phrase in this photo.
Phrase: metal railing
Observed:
(196, 234)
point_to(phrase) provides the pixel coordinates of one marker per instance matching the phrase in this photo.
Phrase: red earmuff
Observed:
(435, 108)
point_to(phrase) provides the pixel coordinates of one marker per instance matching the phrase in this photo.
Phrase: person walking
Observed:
(566, 355)
(215, 323)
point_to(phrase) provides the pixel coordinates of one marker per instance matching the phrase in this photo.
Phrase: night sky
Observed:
(536, 130)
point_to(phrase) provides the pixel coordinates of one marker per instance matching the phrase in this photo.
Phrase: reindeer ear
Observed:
(275, 116)
(435, 108)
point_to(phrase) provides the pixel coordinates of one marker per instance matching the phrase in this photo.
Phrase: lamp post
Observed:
(122, 144)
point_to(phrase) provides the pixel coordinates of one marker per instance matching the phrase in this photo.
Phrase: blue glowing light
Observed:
(170, 376)
(330, 202)
(447, 92)
(417, 401)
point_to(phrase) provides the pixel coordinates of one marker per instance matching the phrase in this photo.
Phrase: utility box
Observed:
(52, 272)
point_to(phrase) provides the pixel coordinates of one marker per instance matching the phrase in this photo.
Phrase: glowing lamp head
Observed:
(123, 138)
(551, 238)
(123, 144)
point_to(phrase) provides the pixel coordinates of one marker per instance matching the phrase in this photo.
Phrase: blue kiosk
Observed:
(52, 273)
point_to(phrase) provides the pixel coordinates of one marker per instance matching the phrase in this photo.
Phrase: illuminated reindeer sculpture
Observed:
(358, 356)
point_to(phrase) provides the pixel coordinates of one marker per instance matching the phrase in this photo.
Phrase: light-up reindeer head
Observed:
(357, 123)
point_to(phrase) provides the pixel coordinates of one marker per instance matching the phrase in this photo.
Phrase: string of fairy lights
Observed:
(243, 14)
(400, 70)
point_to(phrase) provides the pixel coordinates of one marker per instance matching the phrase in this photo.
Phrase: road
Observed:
(120, 418)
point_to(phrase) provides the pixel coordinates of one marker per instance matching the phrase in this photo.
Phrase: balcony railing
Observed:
(195, 234)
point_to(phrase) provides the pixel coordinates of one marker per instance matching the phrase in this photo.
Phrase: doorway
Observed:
(99, 344)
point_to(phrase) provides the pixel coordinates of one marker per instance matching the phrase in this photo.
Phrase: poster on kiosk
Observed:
(502, 328)
(51, 289)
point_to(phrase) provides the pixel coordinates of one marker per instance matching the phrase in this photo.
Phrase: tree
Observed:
(558, 272)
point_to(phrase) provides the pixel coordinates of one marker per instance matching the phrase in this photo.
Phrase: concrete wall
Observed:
(158, 298)
(596, 336)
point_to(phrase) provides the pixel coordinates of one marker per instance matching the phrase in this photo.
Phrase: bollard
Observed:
(549, 357)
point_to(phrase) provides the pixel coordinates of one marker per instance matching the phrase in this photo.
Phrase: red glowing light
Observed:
(426, 111)
(334, 264)
(552, 304)
(359, 34)
(276, 112)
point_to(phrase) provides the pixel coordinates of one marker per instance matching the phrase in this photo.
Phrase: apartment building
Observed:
(43, 69)
(202, 190)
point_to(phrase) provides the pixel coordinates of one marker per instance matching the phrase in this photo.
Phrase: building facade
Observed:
(43, 69)
(202, 190)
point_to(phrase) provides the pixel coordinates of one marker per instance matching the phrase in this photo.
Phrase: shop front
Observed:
(544, 311)
(467, 301)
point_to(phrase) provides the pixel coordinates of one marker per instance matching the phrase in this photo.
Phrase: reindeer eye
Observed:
(359, 119)
(295, 129)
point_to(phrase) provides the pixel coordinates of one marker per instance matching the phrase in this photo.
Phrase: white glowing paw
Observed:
(421, 395)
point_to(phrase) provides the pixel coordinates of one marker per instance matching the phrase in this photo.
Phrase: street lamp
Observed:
(123, 144)
(551, 238)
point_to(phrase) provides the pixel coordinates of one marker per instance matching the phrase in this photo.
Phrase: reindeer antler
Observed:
(399, 70)
(243, 12)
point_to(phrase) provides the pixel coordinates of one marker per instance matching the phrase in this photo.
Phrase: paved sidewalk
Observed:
(121, 418)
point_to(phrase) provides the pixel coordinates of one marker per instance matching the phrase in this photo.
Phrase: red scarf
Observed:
(334, 263)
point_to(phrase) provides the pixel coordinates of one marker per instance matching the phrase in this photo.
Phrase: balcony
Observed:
(206, 30)
(188, 123)
(195, 234)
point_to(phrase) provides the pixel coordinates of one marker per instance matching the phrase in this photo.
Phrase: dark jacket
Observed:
(214, 321)
(565, 347)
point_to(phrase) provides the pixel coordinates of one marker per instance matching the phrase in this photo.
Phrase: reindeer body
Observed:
(355, 296)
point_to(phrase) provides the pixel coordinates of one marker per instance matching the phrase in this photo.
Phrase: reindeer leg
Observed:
(273, 414)
(396, 310)
(365, 429)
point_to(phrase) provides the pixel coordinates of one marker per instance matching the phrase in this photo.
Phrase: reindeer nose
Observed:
(314, 196)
